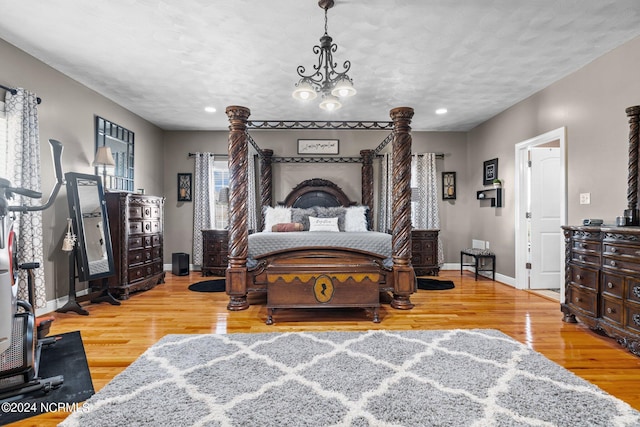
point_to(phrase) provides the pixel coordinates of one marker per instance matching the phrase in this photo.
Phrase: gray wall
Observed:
(67, 114)
(591, 104)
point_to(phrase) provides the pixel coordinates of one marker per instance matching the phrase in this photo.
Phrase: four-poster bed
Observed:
(312, 275)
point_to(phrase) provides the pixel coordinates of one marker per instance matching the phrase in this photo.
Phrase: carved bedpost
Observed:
(266, 178)
(367, 183)
(404, 278)
(236, 276)
(632, 182)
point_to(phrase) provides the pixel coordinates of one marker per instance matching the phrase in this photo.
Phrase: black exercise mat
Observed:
(434, 285)
(66, 358)
(216, 285)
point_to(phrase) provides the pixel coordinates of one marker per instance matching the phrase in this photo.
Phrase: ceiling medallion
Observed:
(325, 79)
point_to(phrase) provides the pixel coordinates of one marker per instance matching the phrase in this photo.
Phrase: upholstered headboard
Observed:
(317, 192)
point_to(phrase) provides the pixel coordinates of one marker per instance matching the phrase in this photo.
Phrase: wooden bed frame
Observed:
(316, 277)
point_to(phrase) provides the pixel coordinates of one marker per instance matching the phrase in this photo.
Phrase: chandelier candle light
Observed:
(326, 79)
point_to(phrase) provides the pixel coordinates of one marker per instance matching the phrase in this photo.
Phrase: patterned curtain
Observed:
(385, 196)
(203, 203)
(21, 166)
(252, 212)
(424, 195)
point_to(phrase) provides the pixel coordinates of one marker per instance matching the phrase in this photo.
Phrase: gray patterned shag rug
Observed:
(378, 378)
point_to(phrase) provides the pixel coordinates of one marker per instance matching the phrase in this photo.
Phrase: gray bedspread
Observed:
(371, 241)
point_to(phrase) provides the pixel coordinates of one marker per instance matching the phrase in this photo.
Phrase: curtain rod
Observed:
(14, 91)
(438, 155)
(211, 154)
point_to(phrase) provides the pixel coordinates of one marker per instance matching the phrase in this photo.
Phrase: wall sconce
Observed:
(104, 158)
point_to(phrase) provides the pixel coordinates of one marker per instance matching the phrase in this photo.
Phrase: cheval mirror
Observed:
(93, 253)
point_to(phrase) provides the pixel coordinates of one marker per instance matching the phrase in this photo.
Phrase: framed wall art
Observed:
(318, 146)
(448, 185)
(184, 187)
(490, 171)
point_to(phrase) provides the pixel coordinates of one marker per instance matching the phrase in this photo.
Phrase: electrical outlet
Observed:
(486, 244)
(585, 198)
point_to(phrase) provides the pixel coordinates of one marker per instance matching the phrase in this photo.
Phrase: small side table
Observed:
(478, 255)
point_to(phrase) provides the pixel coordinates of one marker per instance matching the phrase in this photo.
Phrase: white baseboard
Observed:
(57, 303)
(499, 277)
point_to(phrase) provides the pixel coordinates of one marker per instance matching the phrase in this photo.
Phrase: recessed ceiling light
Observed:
(441, 111)
(210, 109)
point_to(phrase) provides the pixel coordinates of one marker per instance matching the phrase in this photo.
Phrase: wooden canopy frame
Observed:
(238, 278)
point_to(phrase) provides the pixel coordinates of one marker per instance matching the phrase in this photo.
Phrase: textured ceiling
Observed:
(167, 60)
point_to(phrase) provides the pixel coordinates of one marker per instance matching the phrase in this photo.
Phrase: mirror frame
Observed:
(112, 135)
(73, 197)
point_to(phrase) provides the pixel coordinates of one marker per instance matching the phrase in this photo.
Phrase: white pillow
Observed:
(277, 215)
(323, 224)
(355, 219)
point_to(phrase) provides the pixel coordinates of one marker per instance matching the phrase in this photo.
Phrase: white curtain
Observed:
(385, 195)
(424, 195)
(252, 211)
(21, 166)
(203, 203)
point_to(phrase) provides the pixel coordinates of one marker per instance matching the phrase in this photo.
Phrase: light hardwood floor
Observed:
(114, 336)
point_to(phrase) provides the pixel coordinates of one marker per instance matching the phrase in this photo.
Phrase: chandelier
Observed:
(325, 79)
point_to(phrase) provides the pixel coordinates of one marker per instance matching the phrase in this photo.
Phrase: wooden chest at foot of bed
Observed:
(333, 289)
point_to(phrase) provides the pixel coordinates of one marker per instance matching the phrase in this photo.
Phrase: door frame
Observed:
(522, 196)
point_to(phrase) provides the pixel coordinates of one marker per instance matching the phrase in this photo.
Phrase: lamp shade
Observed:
(104, 157)
(344, 88)
(330, 103)
(304, 91)
(223, 195)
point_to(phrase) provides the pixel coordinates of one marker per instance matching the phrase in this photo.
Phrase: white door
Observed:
(544, 207)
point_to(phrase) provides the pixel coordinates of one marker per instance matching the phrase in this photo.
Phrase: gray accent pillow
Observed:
(333, 212)
(301, 216)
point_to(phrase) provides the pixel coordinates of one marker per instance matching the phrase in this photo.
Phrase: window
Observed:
(220, 196)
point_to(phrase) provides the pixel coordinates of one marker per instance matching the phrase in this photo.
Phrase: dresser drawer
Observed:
(586, 259)
(612, 285)
(620, 264)
(136, 257)
(135, 212)
(136, 242)
(586, 246)
(632, 317)
(624, 251)
(136, 227)
(584, 299)
(633, 290)
(612, 310)
(151, 212)
(584, 277)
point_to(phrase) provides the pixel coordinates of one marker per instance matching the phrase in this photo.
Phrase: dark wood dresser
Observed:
(424, 252)
(136, 225)
(602, 281)
(215, 251)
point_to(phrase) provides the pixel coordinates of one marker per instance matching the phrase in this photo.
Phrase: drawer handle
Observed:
(578, 299)
(611, 310)
(147, 227)
(636, 291)
(581, 258)
(636, 319)
(582, 245)
(610, 285)
(612, 263)
(578, 277)
(613, 250)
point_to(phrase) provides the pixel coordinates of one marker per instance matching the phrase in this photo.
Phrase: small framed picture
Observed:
(318, 146)
(184, 187)
(448, 185)
(490, 171)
